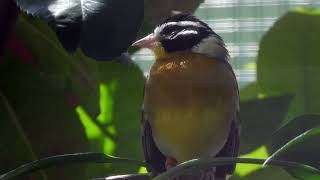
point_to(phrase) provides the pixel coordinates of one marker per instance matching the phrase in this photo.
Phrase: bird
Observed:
(191, 98)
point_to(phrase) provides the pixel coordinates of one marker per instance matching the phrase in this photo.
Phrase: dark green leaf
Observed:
(303, 148)
(293, 129)
(267, 173)
(114, 117)
(304, 172)
(103, 29)
(13, 140)
(90, 157)
(43, 114)
(260, 117)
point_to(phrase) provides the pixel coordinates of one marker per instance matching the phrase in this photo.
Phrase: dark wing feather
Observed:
(152, 154)
(231, 148)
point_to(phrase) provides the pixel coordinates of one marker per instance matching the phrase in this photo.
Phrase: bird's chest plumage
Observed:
(190, 100)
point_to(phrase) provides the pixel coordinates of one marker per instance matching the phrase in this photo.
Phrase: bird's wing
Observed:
(231, 148)
(152, 154)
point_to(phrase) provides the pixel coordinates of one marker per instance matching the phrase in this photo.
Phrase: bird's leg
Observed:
(170, 162)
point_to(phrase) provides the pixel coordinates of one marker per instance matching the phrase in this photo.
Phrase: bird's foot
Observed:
(170, 162)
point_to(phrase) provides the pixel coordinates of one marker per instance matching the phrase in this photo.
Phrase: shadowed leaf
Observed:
(65, 159)
(260, 117)
(302, 149)
(304, 172)
(293, 129)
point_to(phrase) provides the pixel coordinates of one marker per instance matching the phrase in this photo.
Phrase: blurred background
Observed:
(241, 23)
(55, 102)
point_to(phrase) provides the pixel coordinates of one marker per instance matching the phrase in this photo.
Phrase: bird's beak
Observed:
(146, 42)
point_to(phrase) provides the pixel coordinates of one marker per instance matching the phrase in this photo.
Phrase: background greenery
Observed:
(53, 102)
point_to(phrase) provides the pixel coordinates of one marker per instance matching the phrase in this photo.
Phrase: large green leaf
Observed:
(103, 29)
(288, 61)
(44, 118)
(304, 149)
(14, 143)
(259, 118)
(121, 93)
(66, 72)
(96, 91)
(293, 129)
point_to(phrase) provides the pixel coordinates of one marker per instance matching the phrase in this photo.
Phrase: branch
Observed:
(127, 177)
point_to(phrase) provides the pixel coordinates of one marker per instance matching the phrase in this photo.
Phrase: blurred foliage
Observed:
(287, 66)
(50, 92)
(288, 61)
(53, 102)
(102, 29)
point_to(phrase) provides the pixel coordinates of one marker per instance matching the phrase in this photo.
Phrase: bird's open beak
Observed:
(146, 42)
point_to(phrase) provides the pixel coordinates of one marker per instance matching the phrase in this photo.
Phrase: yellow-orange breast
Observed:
(190, 100)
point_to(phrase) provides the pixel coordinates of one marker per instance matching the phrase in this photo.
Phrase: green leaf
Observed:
(267, 173)
(103, 29)
(43, 115)
(90, 157)
(12, 135)
(303, 171)
(110, 117)
(249, 92)
(293, 129)
(260, 117)
(288, 61)
(119, 113)
(303, 148)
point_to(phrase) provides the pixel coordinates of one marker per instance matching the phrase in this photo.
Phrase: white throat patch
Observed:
(212, 47)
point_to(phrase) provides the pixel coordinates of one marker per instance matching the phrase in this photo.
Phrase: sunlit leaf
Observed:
(245, 169)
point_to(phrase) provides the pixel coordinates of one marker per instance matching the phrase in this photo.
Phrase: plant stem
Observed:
(195, 164)
(19, 128)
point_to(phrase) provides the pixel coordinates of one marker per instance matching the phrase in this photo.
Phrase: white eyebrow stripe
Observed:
(179, 23)
(184, 23)
(185, 32)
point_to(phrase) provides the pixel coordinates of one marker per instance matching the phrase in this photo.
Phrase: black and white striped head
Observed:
(184, 32)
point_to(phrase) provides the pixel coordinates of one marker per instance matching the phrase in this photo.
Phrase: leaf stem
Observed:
(88, 157)
(196, 164)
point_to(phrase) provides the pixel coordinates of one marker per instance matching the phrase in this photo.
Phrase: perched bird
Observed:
(191, 98)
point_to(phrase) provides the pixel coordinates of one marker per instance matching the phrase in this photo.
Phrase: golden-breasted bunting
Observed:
(191, 98)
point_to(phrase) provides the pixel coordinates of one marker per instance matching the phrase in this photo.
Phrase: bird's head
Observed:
(184, 32)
